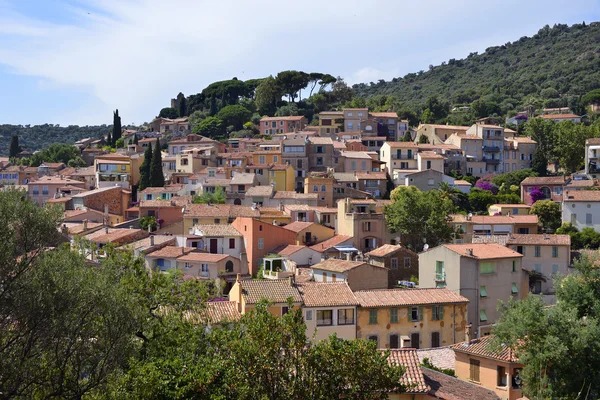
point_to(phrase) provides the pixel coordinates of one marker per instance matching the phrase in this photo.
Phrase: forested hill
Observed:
(556, 66)
(36, 137)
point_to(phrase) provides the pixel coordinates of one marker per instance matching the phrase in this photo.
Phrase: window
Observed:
(394, 263)
(430, 182)
(374, 338)
(308, 315)
(482, 316)
(262, 160)
(232, 243)
(353, 165)
(349, 114)
(393, 315)
(415, 340)
(315, 188)
(394, 341)
(435, 339)
(588, 219)
(487, 268)
(538, 267)
(538, 251)
(428, 164)
(367, 226)
(482, 291)
(324, 276)
(333, 277)
(319, 160)
(261, 243)
(364, 165)
(474, 370)
(275, 159)
(514, 288)
(186, 265)
(554, 268)
(204, 268)
(501, 376)
(521, 249)
(437, 313)
(284, 310)
(406, 262)
(514, 266)
(324, 317)
(414, 314)
(372, 316)
(323, 188)
(346, 316)
(554, 251)
(44, 189)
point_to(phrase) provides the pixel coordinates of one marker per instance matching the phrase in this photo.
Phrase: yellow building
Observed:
(509, 209)
(118, 169)
(323, 187)
(248, 293)
(263, 157)
(209, 214)
(309, 233)
(416, 318)
(282, 176)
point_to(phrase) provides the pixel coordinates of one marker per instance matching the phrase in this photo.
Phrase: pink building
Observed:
(551, 186)
(273, 125)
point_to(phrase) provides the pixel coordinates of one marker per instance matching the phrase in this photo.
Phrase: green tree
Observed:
(549, 214)
(292, 82)
(196, 117)
(570, 145)
(136, 140)
(557, 345)
(148, 221)
(235, 115)
(56, 153)
(120, 143)
(267, 94)
(157, 178)
(117, 130)
(15, 149)
(510, 179)
(109, 139)
(419, 216)
(480, 200)
(145, 170)
(544, 133)
(427, 117)
(407, 137)
(168, 112)
(210, 126)
(181, 105)
(218, 197)
(423, 139)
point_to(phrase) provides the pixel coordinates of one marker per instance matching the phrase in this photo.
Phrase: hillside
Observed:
(555, 66)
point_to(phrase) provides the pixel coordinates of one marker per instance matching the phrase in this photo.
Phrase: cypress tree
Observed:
(145, 169)
(15, 149)
(182, 107)
(407, 137)
(156, 172)
(109, 141)
(135, 139)
(116, 135)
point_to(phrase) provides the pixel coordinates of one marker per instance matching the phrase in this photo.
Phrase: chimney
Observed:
(470, 252)
(106, 230)
(152, 240)
(468, 333)
(546, 236)
(85, 221)
(292, 280)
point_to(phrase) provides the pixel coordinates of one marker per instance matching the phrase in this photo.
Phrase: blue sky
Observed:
(74, 61)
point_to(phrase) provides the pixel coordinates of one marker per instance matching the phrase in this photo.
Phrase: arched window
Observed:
(229, 266)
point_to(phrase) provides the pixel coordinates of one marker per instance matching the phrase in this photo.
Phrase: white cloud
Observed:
(136, 54)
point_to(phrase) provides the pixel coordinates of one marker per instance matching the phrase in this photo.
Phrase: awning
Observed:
(346, 249)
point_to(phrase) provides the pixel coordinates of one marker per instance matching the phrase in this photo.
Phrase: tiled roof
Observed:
(217, 182)
(220, 311)
(511, 205)
(544, 180)
(320, 140)
(276, 291)
(116, 235)
(288, 118)
(145, 243)
(412, 378)
(483, 251)
(447, 387)
(462, 182)
(260, 191)
(581, 183)
(294, 195)
(384, 250)
(539, 239)
(297, 226)
(203, 257)
(217, 230)
(56, 180)
(338, 265)
(582, 195)
(523, 139)
(371, 175)
(171, 252)
(593, 141)
(407, 297)
(243, 178)
(560, 116)
(219, 211)
(166, 189)
(76, 228)
(178, 201)
(357, 154)
(96, 191)
(441, 357)
(287, 250)
(430, 155)
(279, 167)
(345, 176)
(384, 114)
(330, 243)
(497, 219)
(480, 347)
(300, 207)
(455, 127)
(331, 294)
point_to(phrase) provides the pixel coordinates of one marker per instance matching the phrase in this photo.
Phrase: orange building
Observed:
(261, 238)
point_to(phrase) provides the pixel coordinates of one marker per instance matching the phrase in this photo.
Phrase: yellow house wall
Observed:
(188, 222)
(487, 374)
(135, 165)
(316, 230)
(451, 328)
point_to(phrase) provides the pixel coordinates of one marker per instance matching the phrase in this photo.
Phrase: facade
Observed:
(582, 209)
(216, 239)
(469, 226)
(592, 157)
(309, 233)
(551, 186)
(114, 200)
(118, 170)
(210, 266)
(493, 146)
(518, 153)
(248, 293)
(411, 318)
(358, 275)
(330, 122)
(437, 134)
(482, 272)
(45, 188)
(509, 209)
(322, 186)
(273, 125)
(364, 221)
(295, 153)
(328, 308)
(401, 263)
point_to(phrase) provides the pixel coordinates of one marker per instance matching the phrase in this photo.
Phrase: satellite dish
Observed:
(426, 247)
(470, 215)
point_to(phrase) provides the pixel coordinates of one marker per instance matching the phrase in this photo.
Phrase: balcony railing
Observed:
(404, 157)
(440, 277)
(491, 148)
(491, 160)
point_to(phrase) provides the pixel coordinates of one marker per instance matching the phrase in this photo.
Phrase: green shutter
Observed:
(433, 313)
(421, 312)
(482, 291)
(409, 313)
(482, 316)
(515, 289)
(441, 309)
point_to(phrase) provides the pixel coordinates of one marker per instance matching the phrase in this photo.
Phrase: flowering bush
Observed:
(486, 185)
(536, 194)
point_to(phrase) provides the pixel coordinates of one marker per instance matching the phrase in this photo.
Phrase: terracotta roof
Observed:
(511, 205)
(447, 387)
(384, 250)
(116, 235)
(297, 226)
(480, 347)
(59, 200)
(171, 252)
(299, 207)
(339, 265)
(593, 141)
(203, 257)
(539, 239)
(523, 139)
(216, 230)
(581, 183)
(455, 127)
(430, 155)
(220, 311)
(412, 378)
(76, 228)
(217, 182)
(357, 154)
(56, 180)
(288, 118)
(145, 243)
(496, 219)
(461, 182)
(243, 178)
(371, 175)
(166, 189)
(260, 191)
(330, 243)
(544, 180)
(384, 114)
(219, 211)
(320, 140)
(582, 195)
(178, 201)
(483, 251)
(441, 357)
(331, 294)
(560, 116)
(294, 195)
(279, 167)
(287, 250)
(276, 291)
(89, 193)
(407, 297)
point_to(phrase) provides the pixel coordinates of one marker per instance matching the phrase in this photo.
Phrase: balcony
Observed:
(440, 277)
(488, 160)
(491, 149)
(404, 157)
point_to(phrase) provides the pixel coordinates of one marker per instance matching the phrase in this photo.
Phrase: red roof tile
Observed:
(331, 294)
(412, 378)
(407, 297)
(483, 251)
(481, 347)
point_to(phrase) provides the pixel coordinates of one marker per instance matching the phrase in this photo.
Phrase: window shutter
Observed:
(433, 313)
(373, 226)
(409, 314)
(421, 313)
(441, 308)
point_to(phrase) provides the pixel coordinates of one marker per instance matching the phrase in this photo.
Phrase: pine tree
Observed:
(145, 170)
(407, 137)
(135, 139)
(116, 135)
(156, 172)
(15, 149)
